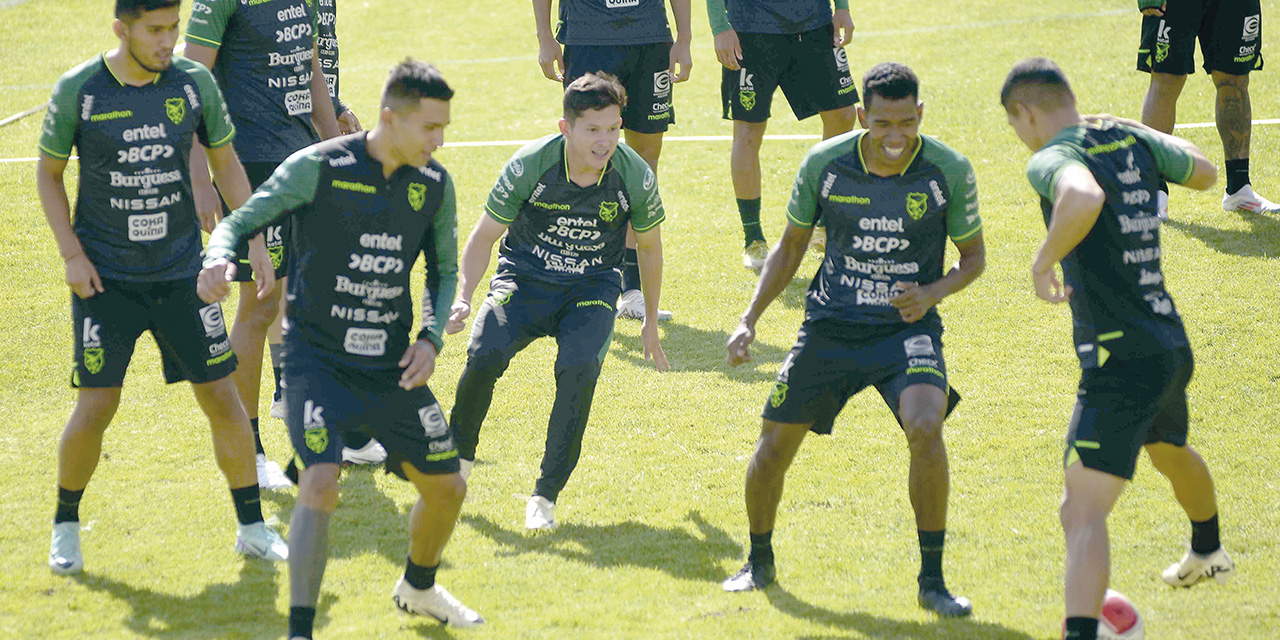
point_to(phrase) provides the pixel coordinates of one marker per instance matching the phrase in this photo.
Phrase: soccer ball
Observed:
(1120, 619)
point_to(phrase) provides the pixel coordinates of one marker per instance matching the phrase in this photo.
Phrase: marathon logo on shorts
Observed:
(918, 346)
(433, 423)
(365, 342)
(211, 318)
(148, 227)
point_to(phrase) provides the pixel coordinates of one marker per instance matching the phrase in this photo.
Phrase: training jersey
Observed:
(265, 48)
(327, 44)
(354, 240)
(881, 231)
(134, 214)
(613, 22)
(770, 16)
(559, 231)
(1119, 305)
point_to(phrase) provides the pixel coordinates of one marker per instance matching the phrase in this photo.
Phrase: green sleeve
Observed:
(518, 178)
(642, 186)
(802, 210)
(718, 16)
(1175, 163)
(842, 4)
(58, 134)
(963, 220)
(444, 273)
(1046, 166)
(208, 21)
(215, 128)
(292, 185)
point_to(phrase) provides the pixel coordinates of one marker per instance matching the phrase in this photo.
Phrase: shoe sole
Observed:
(67, 571)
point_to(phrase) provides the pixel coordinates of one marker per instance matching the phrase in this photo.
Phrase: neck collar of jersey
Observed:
(111, 71)
(564, 150)
(910, 161)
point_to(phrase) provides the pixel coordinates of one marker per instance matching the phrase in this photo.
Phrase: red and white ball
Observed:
(1119, 620)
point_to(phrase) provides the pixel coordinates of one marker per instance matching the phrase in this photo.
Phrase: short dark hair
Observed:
(411, 81)
(891, 81)
(130, 10)
(1037, 82)
(593, 91)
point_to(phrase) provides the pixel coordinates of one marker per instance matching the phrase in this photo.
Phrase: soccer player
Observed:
(265, 58)
(765, 44)
(133, 252)
(1097, 179)
(327, 47)
(363, 207)
(1230, 34)
(631, 41)
(564, 203)
(891, 197)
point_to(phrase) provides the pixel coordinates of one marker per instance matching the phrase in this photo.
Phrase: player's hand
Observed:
(82, 276)
(264, 272)
(551, 59)
(457, 317)
(214, 282)
(1048, 288)
(681, 56)
(739, 344)
(841, 28)
(1152, 7)
(652, 346)
(913, 301)
(348, 122)
(729, 50)
(418, 362)
(208, 204)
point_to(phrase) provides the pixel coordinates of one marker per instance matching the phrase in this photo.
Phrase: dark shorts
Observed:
(831, 362)
(274, 235)
(814, 76)
(1230, 34)
(191, 335)
(1123, 406)
(519, 310)
(323, 401)
(642, 68)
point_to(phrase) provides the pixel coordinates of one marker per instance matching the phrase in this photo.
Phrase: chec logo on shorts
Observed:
(779, 395)
(608, 211)
(211, 318)
(176, 109)
(417, 195)
(917, 204)
(94, 359)
(433, 422)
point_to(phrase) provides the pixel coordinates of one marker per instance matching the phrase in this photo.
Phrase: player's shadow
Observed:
(870, 626)
(1260, 241)
(693, 349)
(676, 551)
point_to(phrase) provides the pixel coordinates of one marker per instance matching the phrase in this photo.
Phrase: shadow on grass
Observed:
(693, 349)
(1260, 241)
(875, 627)
(675, 551)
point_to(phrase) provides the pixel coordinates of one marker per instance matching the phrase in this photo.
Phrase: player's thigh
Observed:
(274, 234)
(514, 313)
(1168, 42)
(1231, 37)
(648, 83)
(815, 380)
(581, 59)
(913, 360)
(412, 427)
(747, 94)
(192, 335)
(320, 404)
(106, 328)
(1172, 419)
(585, 328)
(1114, 411)
(817, 77)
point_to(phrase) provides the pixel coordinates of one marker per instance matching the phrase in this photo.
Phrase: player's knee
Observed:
(255, 313)
(446, 488)
(578, 370)
(1232, 82)
(1167, 84)
(318, 487)
(923, 429)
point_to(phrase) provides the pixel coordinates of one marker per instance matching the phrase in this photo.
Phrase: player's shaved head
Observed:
(1037, 82)
(891, 81)
(130, 10)
(591, 92)
(411, 81)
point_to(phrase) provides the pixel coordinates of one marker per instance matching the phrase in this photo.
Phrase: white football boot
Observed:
(64, 549)
(435, 602)
(257, 540)
(1246, 200)
(539, 513)
(1194, 567)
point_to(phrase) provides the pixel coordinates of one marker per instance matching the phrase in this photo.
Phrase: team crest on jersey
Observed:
(417, 195)
(317, 438)
(748, 99)
(94, 359)
(608, 211)
(917, 204)
(176, 109)
(779, 395)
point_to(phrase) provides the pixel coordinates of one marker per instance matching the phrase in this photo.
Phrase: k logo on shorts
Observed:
(417, 195)
(917, 204)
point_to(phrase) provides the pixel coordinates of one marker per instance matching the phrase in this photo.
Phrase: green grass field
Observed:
(653, 518)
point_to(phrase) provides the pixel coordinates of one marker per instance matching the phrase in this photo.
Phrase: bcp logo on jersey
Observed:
(433, 422)
(917, 204)
(608, 211)
(211, 318)
(176, 109)
(417, 195)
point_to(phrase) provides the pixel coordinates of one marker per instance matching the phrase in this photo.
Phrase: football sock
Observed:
(630, 270)
(749, 212)
(69, 506)
(419, 577)
(308, 552)
(1204, 536)
(761, 548)
(248, 504)
(300, 621)
(1237, 174)
(1164, 186)
(277, 364)
(931, 553)
(1081, 629)
(257, 440)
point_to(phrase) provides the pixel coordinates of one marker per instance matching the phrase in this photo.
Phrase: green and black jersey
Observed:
(770, 16)
(327, 44)
(1119, 307)
(265, 49)
(354, 240)
(613, 22)
(881, 231)
(560, 231)
(134, 214)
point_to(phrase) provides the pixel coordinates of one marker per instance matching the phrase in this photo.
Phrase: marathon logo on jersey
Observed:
(918, 346)
(608, 211)
(433, 423)
(1252, 27)
(917, 205)
(842, 60)
(91, 342)
(417, 195)
(211, 318)
(662, 83)
(175, 109)
(365, 342)
(148, 227)
(1162, 41)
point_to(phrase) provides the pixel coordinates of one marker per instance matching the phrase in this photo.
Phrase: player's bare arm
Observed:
(779, 268)
(322, 115)
(1077, 201)
(475, 259)
(234, 186)
(680, 54)
(916, 300)
(728, 48)
(649, 256)
(550, 55)
(80, 274)
(842, 26)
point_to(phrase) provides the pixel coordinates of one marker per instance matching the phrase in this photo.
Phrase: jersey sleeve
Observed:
(215, 128)
(1046, 166)
(442, 267)
(517, 179)
(642, 185)
(963, 220)
(292, 185)
(718, 16)
(208, 21)
(58, 134)
(1175, 163)
(802, 209)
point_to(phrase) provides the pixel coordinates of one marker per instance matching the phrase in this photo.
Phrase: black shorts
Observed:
(1123, 406)
(191, 335)
(644, 69)
(274, 234)
(814, 76)
(1230, 34)
(831, 362)
(323, 401)
(519, 310)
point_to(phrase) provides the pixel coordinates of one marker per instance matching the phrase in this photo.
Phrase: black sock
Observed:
(1081, 629)
(1164, 186)
(1204, 536)
(1237, 174)
(761, 548)
(630, 270)
(277, 366)
(248, 504)
(419, 577)
(931, 554)
(301, 620)
(257, 441)
(69, 506)
(749, 212)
